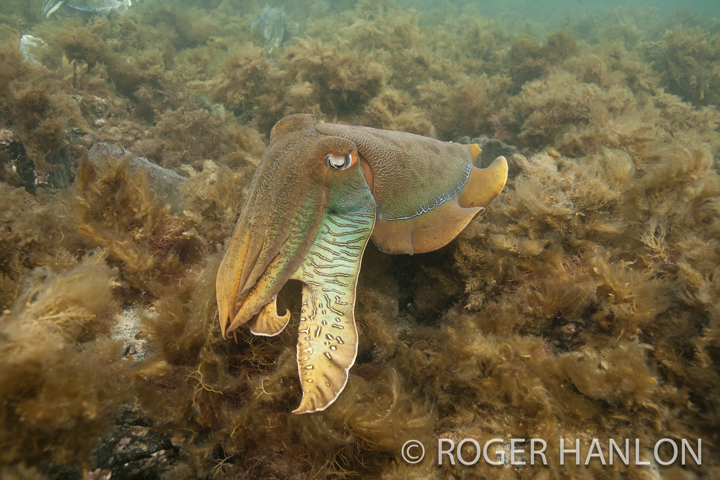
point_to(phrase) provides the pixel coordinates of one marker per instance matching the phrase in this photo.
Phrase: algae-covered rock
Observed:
(135, 451)
(164, 182)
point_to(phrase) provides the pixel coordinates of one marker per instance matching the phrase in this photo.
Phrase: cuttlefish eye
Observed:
(339, 162)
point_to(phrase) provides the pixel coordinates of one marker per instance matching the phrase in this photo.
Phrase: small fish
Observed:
(83, 8)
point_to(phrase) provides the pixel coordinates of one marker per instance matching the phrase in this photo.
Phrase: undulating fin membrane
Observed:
(437, 227)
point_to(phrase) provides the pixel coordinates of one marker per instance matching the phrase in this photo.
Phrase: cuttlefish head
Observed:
(304, 178)
(319, 193)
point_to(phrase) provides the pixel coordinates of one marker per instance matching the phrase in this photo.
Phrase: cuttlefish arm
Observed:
(327, 341)
(319, 194)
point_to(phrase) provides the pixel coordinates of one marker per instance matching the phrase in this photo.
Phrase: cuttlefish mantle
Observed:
(320, 193)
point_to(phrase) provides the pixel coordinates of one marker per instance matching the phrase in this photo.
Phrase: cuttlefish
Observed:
(320, 192)
(83, 8)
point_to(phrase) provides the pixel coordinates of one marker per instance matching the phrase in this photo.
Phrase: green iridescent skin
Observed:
(327, 344)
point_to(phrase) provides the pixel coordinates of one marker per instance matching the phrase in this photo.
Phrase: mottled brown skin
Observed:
(307, 221)
(417, 182)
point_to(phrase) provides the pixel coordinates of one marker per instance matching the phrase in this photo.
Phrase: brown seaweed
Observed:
(686, 62)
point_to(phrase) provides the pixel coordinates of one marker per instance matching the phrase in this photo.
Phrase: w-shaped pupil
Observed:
(336, 162)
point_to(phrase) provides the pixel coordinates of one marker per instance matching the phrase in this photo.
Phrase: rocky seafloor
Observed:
(585, 304)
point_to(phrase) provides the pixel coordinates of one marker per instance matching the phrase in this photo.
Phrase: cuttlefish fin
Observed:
(328, 339)
(484, 184)
(437, 227)
(268, 323)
